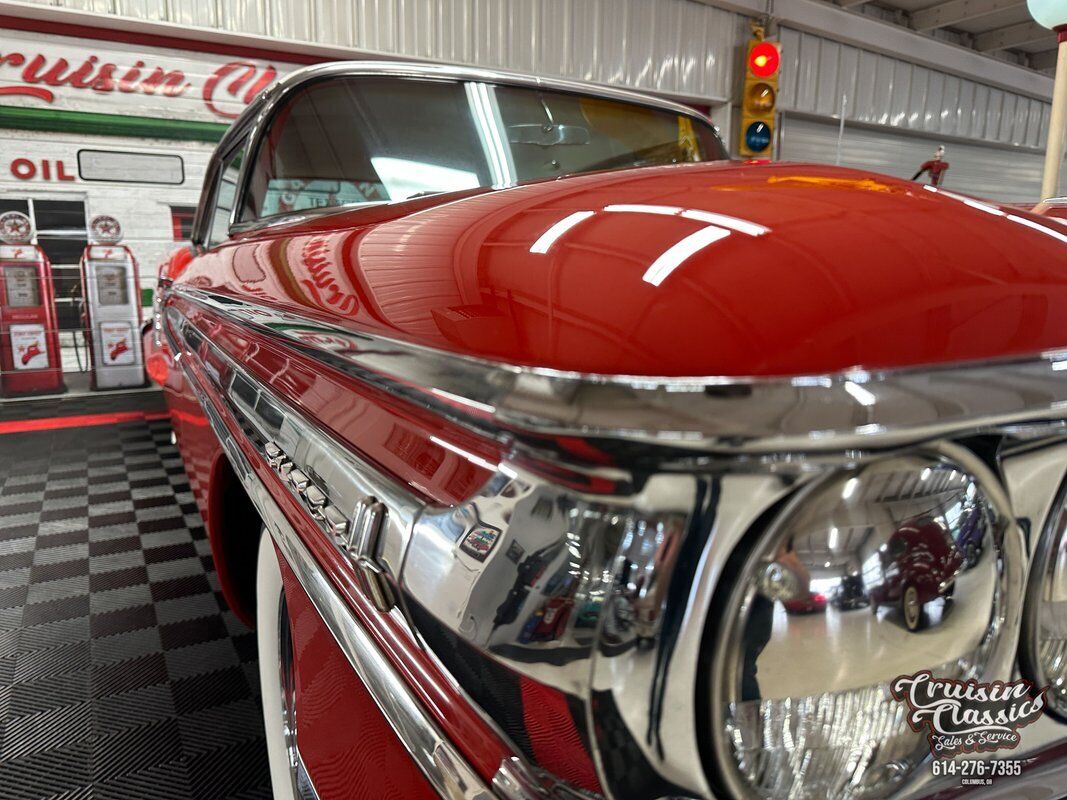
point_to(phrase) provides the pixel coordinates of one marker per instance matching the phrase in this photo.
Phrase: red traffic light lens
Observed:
(763, 60)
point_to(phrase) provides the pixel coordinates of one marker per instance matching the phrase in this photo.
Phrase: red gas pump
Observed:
(29, 337)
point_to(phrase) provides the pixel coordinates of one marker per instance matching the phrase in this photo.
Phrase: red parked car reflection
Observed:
(919, 565)
(812, 604)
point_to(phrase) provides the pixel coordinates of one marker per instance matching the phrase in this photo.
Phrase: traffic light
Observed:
(759, 98)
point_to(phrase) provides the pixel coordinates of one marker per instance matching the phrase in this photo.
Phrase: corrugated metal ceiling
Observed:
(1000, 28)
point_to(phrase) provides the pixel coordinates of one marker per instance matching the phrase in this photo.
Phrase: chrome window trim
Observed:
(722, 415)
(255, 119)
(230, 145)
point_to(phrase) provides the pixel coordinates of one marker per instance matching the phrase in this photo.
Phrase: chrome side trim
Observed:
(439, 761)
(304, 456)
(454, 557)
(722, 415)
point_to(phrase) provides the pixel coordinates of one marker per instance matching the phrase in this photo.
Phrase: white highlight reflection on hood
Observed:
(717, 227)
(548, 238)
(672, 258)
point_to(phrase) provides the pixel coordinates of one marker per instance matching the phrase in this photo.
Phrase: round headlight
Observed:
(904, 564)
(1043, 657)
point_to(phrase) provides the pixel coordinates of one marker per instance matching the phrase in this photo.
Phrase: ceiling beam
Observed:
(1025, 33)
(851, 3)
(954, 12)
(1046, 59)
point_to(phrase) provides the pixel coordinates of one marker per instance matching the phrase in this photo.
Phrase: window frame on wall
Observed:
(182, 221)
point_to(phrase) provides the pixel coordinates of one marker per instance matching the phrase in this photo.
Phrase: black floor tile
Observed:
(88, 707)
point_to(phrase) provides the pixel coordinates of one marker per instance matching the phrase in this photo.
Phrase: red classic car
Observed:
(450, 344)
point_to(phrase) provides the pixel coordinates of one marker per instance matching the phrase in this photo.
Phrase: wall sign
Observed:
(64, 72)
(26, 169)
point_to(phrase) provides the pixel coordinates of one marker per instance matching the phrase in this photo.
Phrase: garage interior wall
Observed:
(681, 48)
(677, 47)
(997, 174)
(994, 139)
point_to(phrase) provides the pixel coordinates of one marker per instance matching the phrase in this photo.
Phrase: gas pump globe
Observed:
(112, 293)
(15, 228)
(29, 340)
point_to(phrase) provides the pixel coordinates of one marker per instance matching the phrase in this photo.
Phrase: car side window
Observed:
(353, 141)
(225, 197)
(357, 140)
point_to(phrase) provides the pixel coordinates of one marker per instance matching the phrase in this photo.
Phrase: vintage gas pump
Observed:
(29, 340)
(112, 292)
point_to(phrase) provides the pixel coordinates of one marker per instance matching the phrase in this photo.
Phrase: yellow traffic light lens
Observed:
(759, 98)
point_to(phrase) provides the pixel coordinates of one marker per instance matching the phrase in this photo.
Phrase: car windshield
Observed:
(369, 140)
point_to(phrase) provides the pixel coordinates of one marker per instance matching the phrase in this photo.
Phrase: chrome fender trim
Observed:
(444, 767)
(834, 413)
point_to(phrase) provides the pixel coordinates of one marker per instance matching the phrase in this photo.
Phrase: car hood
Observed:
(709, 269)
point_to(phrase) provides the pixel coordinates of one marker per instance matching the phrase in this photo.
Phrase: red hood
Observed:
(721, 269)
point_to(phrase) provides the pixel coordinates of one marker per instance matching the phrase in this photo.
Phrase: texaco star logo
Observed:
(15, 228)
(105, 229)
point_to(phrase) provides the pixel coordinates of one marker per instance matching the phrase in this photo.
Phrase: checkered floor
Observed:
(122, 672)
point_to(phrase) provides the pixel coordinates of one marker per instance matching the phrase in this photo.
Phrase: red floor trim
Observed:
(81, 421)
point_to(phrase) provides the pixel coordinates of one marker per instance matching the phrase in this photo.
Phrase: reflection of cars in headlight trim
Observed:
(807, 712)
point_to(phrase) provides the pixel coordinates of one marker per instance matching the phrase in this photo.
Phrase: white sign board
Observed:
(125, 167)
(29, 346)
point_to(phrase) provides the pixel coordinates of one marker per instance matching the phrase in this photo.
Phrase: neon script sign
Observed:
(41, 76)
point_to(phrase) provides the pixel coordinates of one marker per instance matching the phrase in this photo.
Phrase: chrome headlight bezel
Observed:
(732, 603)
(1052, 536)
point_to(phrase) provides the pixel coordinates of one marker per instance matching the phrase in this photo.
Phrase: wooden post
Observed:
(1057, 131)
